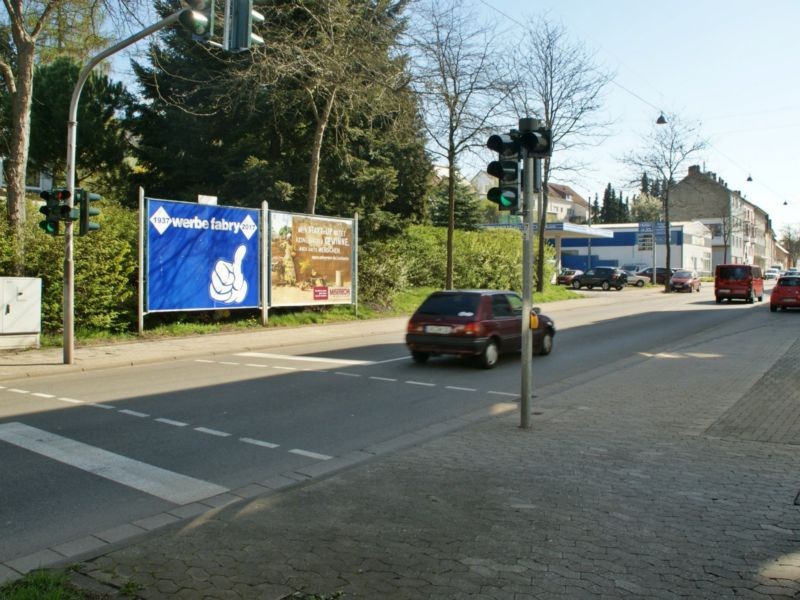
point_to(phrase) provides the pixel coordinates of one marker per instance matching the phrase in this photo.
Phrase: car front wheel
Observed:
(576, 285)
(490, 355)
(640, 283)
(606, 286)
(545, 347)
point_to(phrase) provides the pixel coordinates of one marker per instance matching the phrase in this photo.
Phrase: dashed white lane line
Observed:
(171, 422)
(425, 383)
(41, 395)
(261, 443)
(101, 405)
(18, 391)
(215, 432)
(150, 479)
(134, 413)
(337, 361)
(502, 394)
(310, 454)
(460, 389)
(346, 374)
(285, 368)
(70, 400)
(382, 378)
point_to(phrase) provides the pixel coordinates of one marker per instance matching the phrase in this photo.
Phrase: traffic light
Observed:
(84, 199)
(507, 171)
(199, 19)
(50, 223)
(239, 18)
(539, 142)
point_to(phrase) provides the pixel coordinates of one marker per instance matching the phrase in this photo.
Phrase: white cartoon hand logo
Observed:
(227, 282)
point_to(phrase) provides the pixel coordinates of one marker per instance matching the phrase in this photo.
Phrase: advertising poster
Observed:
(311, 260)
(201, 257)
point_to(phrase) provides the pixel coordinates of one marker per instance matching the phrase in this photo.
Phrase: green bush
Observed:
(382, 272)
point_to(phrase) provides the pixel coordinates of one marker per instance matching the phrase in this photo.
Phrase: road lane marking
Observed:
(255, 365)
(133, 413)
(338, 361)
(410, 382)
(388, 360)
(16, 391)
(502, 394)
(247, 440)
(346, 374)
(382, 378)
(146, 478)
(310, 454)
(215, 432)
(460, 389)
(41, 395)
(70, 400)
(284, 368)
(171, 422)
(100, 405)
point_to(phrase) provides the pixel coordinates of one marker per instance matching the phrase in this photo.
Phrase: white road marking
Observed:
(311, 454)
(382, 378)
(226, 362)
(149, 479)
(258, 443)
(284, 368)
(460, 389)
(99, 405)
(346, 374)
(339, 361)
(16, 391)
(255, 365)
(420, 383)
(133, 413)
(388, 360)
(502, 394)
(70, 400)
(171, 422)
(203, 360)
(215, 432)
(41, 395)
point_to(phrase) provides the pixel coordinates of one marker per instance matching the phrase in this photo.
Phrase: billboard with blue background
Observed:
(201, 257)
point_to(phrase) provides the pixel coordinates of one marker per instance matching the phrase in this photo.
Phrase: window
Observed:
(500, 306)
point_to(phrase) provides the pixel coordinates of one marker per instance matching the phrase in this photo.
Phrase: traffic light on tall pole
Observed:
(239, 19)
(538, 143)
(199, 19)
(507, 195)
(83, 200)
(55, 210)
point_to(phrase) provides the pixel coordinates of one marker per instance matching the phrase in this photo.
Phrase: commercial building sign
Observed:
(201, 257)
(311, 260)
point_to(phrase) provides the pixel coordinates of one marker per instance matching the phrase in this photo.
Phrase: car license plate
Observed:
(790, 299)
(723, 291)
(438, 329)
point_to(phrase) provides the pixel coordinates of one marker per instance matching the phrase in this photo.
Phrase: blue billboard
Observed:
(201, 257)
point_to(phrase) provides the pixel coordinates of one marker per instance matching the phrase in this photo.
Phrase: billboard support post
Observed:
(266, 263)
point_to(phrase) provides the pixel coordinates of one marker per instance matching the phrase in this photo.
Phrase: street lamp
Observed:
(661, 120)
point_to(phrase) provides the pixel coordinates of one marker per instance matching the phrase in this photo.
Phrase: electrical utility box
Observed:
(20, 312)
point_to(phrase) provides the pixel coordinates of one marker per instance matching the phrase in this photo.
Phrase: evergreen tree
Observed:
(468, 207)
(596, 211)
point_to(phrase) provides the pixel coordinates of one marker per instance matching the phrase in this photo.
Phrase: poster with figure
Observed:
(201, 257)
(311, 260)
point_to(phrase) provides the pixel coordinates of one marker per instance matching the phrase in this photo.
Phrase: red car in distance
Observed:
(566, 275)
(785, 294)
(684, 281)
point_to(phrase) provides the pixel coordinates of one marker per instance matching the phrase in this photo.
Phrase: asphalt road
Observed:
(89, 451)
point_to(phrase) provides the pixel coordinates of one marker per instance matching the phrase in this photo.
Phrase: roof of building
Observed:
(566, 193)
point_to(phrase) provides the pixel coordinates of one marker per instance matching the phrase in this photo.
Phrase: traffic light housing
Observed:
(199, 19)
(239, 18)
(508, 194)
(55, 210)
(538, 143)
(83, 199)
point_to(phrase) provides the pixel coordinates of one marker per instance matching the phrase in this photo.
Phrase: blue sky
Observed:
(729, 66)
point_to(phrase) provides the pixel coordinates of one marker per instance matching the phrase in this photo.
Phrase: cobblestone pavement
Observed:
(668, 476)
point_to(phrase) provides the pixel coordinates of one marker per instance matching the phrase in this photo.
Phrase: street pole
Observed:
(529, 168)
(72, 129)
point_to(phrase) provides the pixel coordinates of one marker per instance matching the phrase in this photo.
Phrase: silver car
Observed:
(637, 280)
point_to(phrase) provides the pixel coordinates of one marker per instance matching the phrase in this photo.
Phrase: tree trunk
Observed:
(451, 213)
(542, 225)
(15, 167)
(316, 152)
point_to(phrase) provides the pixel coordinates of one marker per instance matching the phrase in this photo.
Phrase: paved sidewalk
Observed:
(649, 480)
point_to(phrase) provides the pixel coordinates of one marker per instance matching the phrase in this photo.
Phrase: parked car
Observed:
(566, 275)
(603, 277)
(785, 294)
(743, 282)
(633, 267)
(772, 274)
(634, 279)
(684, 281)
(479, 323)
(662, 274)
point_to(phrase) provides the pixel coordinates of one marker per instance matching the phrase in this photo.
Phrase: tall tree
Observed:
(790, 240)
(468, 209)
(664, 154)
(558, 81)
(455, 74)
(24, 25)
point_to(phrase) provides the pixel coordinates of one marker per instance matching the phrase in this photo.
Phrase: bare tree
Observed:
(790, 240)
(663, 154)
(558, 82)
(455, 69)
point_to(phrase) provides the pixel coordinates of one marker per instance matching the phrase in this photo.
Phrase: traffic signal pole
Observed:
(72, 129)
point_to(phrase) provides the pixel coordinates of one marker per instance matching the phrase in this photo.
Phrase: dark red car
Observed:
(684, 281)
(566, 276)
(480, 323)
(785, 294)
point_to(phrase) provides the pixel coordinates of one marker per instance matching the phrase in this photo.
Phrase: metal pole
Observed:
(354, 265)
(72, 128)
(266, 262)
(142, 222)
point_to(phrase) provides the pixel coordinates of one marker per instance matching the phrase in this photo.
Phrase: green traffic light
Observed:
(506, 198)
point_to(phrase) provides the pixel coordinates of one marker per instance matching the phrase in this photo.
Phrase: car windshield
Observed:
(450, 305)
(682, 274)
(788, 281)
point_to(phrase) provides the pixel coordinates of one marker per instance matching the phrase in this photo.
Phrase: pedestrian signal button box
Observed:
(20, 312)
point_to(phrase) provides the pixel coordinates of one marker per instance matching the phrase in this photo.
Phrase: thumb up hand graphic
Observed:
(227, 281)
